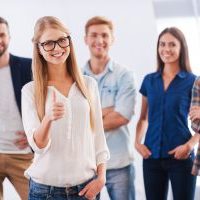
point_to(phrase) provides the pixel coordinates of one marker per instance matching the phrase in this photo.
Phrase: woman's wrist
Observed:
(101, 172)
(102, 179)
(47, 119)
(189, 146)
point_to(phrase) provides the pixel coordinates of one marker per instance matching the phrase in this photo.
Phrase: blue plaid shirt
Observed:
(117, 88)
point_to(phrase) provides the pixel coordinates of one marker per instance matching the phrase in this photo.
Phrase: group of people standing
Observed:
(75, 122)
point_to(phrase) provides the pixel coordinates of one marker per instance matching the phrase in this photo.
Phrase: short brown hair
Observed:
(98, 20)
(4, 21)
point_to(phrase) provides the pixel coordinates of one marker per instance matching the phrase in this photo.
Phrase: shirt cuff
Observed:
(102, 157)
(34, 146)
(124, 112)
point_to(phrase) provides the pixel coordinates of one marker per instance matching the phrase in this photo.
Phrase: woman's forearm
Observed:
(101, 171)
(41, 135)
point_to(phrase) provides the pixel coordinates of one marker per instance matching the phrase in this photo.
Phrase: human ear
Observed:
(85, 39)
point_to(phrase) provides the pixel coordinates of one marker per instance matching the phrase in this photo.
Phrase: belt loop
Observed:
(79, 188)
(51, 190)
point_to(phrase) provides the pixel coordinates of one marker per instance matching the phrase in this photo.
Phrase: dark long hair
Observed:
(184, 62)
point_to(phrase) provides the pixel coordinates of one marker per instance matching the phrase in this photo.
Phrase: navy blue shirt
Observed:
(167, 112)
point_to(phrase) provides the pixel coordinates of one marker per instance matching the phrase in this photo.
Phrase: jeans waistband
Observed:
(77, 188)
(68, 190)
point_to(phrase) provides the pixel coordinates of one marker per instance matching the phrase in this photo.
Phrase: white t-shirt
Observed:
(74, 151)
(10, 119)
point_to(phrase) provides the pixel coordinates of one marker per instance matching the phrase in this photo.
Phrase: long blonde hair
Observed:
(39, 68)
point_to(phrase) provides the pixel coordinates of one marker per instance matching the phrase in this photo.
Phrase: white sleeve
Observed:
(101, 148)
(31, 121)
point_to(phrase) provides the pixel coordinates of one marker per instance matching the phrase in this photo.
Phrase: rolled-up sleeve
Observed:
(126, 96)
(101, 148)
(196, 93)
(30, 118)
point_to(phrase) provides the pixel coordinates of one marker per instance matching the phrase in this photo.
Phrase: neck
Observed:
(4, 59)
(97, 65)
(57, 72)
(171, 69)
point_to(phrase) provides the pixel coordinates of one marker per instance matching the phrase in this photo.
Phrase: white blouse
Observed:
(73, 153)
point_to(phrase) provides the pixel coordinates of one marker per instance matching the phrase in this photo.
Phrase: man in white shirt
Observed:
(15, 153)
(117, 93)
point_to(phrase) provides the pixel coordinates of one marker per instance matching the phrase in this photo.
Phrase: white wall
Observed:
(135, 32)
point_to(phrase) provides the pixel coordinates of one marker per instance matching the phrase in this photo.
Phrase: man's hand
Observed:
(107, 110)
(21, 142)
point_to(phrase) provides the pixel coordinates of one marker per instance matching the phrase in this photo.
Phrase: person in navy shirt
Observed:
(168, 147)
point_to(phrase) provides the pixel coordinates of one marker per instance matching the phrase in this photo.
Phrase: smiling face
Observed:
(99, 39)
(169, 49)
(57, 55)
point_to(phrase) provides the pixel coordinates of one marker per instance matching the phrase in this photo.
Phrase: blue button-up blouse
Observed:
(167, 112)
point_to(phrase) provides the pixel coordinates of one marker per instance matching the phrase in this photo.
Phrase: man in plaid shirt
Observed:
(195, 118)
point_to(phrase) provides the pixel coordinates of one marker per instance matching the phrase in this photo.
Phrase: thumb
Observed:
(172, 151)
(54, 97)
(83, 191)
(148, 151)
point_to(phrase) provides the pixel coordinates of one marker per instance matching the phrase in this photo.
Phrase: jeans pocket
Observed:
(38, 196)
(84, 198)
(96, 198)
(38, 191)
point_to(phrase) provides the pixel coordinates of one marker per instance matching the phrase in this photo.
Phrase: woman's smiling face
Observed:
(58, 55)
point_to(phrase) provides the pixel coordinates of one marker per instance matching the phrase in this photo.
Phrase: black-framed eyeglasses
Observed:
(49, 45)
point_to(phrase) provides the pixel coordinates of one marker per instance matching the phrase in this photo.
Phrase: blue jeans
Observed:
(120, 183)
(39, 191)
(158, 172)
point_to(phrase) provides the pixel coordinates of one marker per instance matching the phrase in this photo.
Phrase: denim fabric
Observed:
(39, 191)
(158, 173)
(117, 88)
(120, 183)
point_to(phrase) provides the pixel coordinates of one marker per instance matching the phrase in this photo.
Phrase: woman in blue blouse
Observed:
(168, 147)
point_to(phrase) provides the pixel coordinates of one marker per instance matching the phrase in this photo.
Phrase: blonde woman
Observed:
(62, 119)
